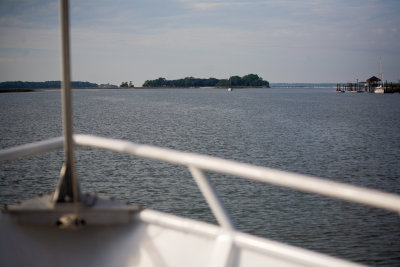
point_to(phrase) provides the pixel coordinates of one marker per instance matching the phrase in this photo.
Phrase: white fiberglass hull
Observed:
(151, 239)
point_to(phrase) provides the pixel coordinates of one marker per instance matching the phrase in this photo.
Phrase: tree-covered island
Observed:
(44, 85)
(249, 80)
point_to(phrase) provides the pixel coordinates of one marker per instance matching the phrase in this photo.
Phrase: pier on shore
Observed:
(364, 87)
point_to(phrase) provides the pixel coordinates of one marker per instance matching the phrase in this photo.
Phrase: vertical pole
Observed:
(357, 87)
(68, 188)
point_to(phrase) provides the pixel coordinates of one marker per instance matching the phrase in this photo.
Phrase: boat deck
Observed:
(151, 239)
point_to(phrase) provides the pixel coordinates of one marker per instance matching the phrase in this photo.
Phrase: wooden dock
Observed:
(361, 88)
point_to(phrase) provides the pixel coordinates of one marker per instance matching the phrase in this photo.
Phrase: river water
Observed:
(352, 138)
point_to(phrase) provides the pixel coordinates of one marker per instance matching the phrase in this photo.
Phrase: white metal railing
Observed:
(198, 163)
(31, 149)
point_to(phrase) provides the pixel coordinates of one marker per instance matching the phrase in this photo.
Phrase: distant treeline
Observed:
(234, 81)
(43, 85)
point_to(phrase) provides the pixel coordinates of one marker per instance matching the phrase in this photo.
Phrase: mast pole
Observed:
(380, 63)
(68, 187)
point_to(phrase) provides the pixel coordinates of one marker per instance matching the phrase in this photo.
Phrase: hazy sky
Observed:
(137, 40)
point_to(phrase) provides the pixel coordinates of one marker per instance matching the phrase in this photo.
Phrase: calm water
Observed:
(352, 138)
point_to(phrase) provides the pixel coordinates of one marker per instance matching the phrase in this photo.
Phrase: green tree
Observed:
(235, 81)
(223, 83)
(160, 82)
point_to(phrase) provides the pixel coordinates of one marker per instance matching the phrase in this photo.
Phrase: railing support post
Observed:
(212, 198)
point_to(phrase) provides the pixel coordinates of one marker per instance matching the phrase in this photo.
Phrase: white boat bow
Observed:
(101, 231)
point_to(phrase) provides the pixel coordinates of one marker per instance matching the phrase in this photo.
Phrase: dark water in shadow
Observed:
(353, 138)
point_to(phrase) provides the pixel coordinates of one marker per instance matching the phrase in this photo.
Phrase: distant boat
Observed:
(230, 85)
(380, 89)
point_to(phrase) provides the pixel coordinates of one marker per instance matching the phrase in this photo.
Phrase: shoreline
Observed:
(17, 90)
(122, 88)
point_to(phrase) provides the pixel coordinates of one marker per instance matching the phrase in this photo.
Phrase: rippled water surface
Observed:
(353, 138)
